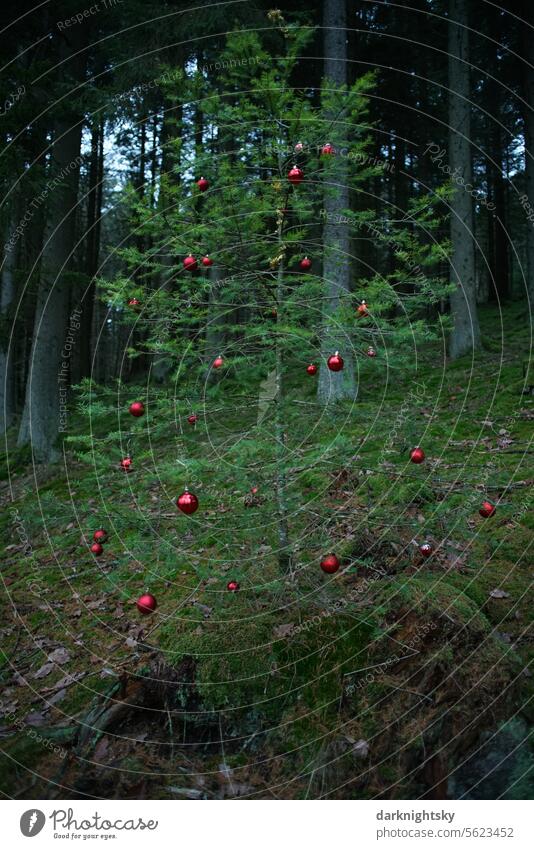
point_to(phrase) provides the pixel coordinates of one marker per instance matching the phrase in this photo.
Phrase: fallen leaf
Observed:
(35, 719)
(44, 671)
(282, 631)
(498, 593)
(60, 655)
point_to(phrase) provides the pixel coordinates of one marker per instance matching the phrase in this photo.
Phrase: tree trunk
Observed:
(285, 556)
(94, 212)
(7, 337)
(528, 118)
(45, 406)
(334, 386)
(465, 335)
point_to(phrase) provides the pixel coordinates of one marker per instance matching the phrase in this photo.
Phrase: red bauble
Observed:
(330, 564)
(311, 369)
(371, 351)
(233, 586)
(335, 362)
(327, 150)
(362, 310)
(192, 419)
(100, 535)
(187, 503)
(417, 455)
(133, 302)
(146, 604)
(426, 549)
(305, 264)
(487, 509)
(295, 176)
(126, 464)
(137, 409)
(253, 490)
(203, 184)
(207, 261)
(299, 147)
(190, 263)
(217, 362)
(96, 548)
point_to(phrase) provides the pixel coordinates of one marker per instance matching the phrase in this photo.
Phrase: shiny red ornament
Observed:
(203, 184)
(100, 535)
(311, 369)
(133, 302)
(146, 604)
(126, 464)
(187, 502)
(137, 409)
(299, 147)
(371, 351)
(328, 150)
(487, 509)
(417, 455)
(217, 362)
(295, 176)
(426, 549)
(305, 264)
(190, 263)
(192, 419)
(254, 490)
(96, 548)
(362, 310)
(335, 362)
(330, 564)
(207, 261)
(232, 586)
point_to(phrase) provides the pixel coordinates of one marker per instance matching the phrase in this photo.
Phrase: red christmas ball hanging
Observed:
(362, 310)
(426, 549)
(203, 184)
(207, 261)
(137, 409)
(417, 455)
(126, 464)
(192, 419)
(305, 264)
(295, 176)
(327, 150)
(371, 351)
(299, 147)
(335, 362)
(311, 369)
(217, 362)
(254, 490)
(330, 564)
(487, 509)
(133, 302)
(187, 502)
(100, 536)
(232, 586)
(146, 604)
(190, 263)
(97, 548)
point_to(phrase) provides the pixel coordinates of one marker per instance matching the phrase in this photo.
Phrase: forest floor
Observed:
(398, 677)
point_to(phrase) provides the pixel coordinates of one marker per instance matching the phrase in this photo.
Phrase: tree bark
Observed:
(7, 337)
(44, 414)
(335, 386)
(465, 335)
(528, 119)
